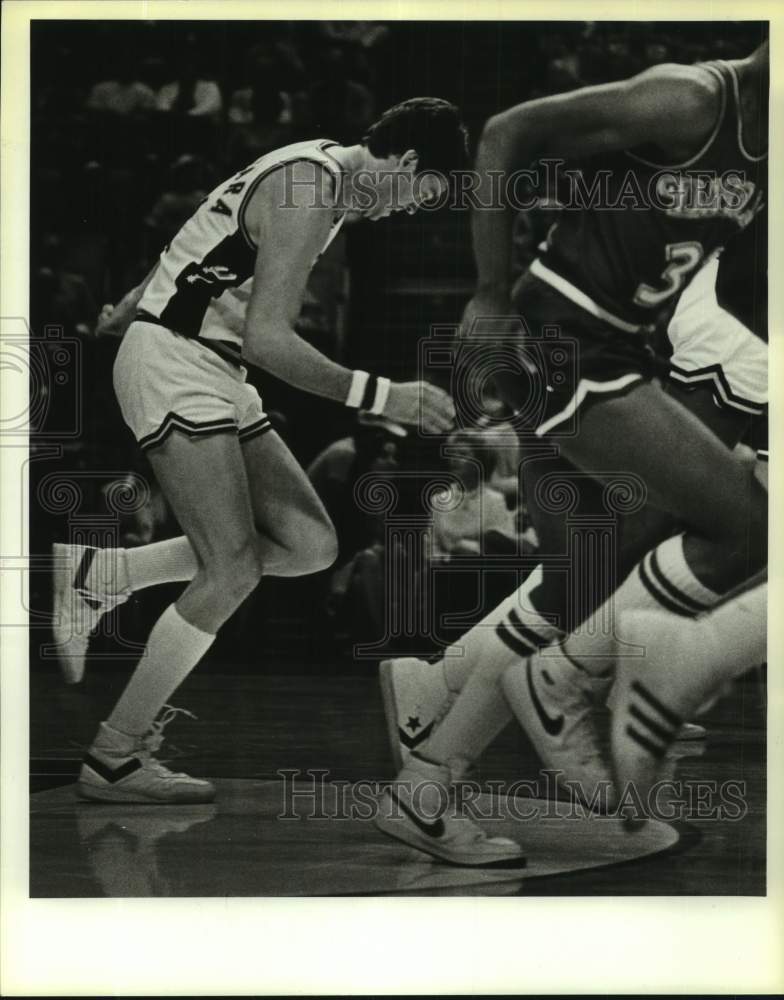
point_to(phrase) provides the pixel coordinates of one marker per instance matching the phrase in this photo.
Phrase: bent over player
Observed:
(227, 291)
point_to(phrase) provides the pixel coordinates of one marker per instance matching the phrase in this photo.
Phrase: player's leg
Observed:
(296, 536)
(204, 480)
(678, 675)
(166, 382)
(728, 540)
(279, 488)
(698, 482)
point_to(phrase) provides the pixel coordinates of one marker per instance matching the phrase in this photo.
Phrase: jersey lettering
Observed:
(220, 207)
(204, 276)
(637, 261)
(683, 258)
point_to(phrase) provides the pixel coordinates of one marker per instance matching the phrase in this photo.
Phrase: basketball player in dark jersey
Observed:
(227, 290)
(685, 150)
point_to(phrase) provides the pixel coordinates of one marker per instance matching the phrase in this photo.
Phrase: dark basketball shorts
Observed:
(569, 359)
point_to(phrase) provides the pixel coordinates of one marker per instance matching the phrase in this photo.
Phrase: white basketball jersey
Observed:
(204, 276)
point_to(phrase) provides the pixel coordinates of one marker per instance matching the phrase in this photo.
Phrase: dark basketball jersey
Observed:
(204, 276)
(628, 256)
(742, 281)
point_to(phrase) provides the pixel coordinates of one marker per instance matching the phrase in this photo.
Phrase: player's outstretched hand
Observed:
(408, 401)
(104, 326)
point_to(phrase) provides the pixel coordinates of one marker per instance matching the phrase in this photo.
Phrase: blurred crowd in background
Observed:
(134, 122)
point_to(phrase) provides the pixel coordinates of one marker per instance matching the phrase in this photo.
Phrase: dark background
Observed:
(110, 186)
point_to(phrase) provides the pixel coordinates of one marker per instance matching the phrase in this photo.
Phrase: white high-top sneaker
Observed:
(689, 730)
(76, 609)
(416, 698)
(121, 768)
(654, 692)
(418, 810)
(556, 709)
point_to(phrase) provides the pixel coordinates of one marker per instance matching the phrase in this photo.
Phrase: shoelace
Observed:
(100, 603)
(151, 742)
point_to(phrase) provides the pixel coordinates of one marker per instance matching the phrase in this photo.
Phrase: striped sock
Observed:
(662, 582)
(513, 630)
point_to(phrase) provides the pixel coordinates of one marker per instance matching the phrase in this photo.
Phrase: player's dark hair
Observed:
(428, 125)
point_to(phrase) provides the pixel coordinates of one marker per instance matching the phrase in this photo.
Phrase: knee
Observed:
(236, 574)
(318, 547)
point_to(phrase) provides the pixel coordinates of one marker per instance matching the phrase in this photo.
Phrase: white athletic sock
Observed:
(170, 561)
(704, 655)
(104, 571)
(724, 644)
(499, 628)
(662, 581)
(120, 571)
(481, 710)
(173, 650)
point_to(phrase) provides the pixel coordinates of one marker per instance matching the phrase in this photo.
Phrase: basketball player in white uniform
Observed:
(224, 293)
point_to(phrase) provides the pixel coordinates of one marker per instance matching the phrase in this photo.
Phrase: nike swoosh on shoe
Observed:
(435, 829)
(552, 726)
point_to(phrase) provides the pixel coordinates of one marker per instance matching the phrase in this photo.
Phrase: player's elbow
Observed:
(493, 132)
(503, 134)
(262, 343)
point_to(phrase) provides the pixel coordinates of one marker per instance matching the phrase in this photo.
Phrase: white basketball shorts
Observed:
(710, 345)
(165, 382)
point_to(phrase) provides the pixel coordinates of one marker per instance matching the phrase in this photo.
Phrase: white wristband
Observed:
(382, 394)
(359, 381)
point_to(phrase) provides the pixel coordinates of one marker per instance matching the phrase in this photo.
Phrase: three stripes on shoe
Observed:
(654, 726)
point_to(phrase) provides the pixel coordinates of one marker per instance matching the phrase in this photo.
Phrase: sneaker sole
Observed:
(691, 732)
(399, 831)
(385, 673)
(95, 793)
(71, 666)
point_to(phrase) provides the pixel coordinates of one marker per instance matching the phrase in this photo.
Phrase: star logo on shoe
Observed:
(436, 829)
(413, 723)
(552, 726)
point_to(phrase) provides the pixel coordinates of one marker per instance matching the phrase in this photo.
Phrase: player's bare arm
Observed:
(670, 106)
(289, 218)
(113, 321)
(290, 223)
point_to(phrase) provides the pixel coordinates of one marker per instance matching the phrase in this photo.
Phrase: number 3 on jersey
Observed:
(682, 258)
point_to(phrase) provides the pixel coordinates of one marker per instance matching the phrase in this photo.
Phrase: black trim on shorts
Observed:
(174, 422)
(593, 396)
(225, 349)
(715, 374)
(254, 430)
